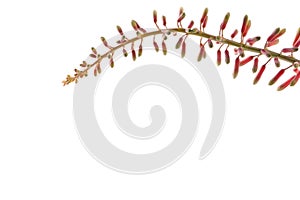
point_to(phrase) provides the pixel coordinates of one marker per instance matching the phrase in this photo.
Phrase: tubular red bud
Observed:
(181, 17)
(183, 49)
(210, 43)
(258, 76)
(178, 44)
(274, 42)
(236, 67)
(276, 61)
(247, 28)
(155, 16)
(219, 59)
(277, 76)
(275, 32)
(296, 38)
(180, 11)
(201, 53)
(94, 50)
(245, 21)
(205, 22)
(204, 15)
(98, 68)
(191, 24)
(140, 51)
(251, 41)
(255, 65)
(104, 42)
(246, 60)
(155, 46)
(275, 35)
(164, 19)
(111, 62)
(295, 80)
(134, 25)
(234, 33)
(133, 54)
(289, 50)
(225, 21)
(297, 44)
(164, 47)
(227, 57)
(125, 54)
(285, 84)
(120, 30)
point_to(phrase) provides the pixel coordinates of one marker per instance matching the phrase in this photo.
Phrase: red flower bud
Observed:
(155, 46)
(191, 24)
(164, 47)
(120, 30)
(246, 60)
(289, 50)
(276, 61)
(277, 76)
(296, 40)
(227, 57)
(225, 21)
(295, 80)
(204, 15)
(258, 76)
(234, 33)
(219, 57)
(205, 22)
(255, 65)
(183, 49)
(285, 84)
(236, 67)
(155, 16)
(164, 20)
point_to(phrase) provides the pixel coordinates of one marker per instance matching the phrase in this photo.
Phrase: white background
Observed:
(41, 156)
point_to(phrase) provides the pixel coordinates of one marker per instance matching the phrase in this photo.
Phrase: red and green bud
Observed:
(164, 47)
(296, 40)
(120, 30)
(277, 62)
(140, 51)
(205, 22)
(255, 65)
(276, 77)
(274, 42)
(178, 44)
(227, 57)
(286, 84)
(289, 50)
(164, 19)
(183, 49)
(236, 67)
(204, 15)
(246, 60)
(295, 80)
(234, 33)
(155, 46)
(219, 58)
(251, 41)
(225, 21)
(155, 16)
(258, 76)
(133, 54)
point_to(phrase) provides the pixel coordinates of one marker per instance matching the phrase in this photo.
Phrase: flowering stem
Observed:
(200, 34)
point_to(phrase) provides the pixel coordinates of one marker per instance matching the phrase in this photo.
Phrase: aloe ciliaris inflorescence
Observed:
(240, 47)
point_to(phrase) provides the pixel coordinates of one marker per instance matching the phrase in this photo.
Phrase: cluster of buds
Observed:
(241, 47)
